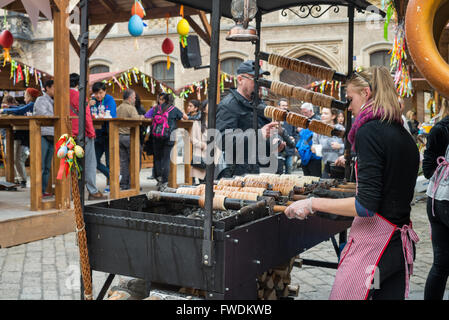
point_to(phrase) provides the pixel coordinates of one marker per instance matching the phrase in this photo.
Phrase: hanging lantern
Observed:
(6, 41)
(243, 11)
(135, 26)
(167, 48)
(137, 9)
(183, 29)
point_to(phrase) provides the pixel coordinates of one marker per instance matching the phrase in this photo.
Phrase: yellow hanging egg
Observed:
(79, 152)
(183, 27)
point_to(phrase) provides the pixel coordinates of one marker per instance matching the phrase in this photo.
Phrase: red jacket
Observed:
(74, 103)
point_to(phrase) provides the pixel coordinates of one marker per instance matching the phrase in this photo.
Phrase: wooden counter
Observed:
(33, 124)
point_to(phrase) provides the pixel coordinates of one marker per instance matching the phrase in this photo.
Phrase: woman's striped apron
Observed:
(367, 241)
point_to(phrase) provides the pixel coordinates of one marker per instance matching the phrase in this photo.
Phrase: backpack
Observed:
(161, 129)
(303, 146)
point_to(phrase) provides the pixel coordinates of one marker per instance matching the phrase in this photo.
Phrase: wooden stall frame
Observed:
(34, 123)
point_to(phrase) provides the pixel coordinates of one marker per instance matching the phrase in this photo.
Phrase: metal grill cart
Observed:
(148, 238)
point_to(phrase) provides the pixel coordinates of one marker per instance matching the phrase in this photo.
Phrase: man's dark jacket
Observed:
(236, 112)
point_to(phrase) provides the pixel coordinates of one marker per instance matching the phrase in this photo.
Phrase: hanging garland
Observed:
(21, 72)
(324, 87)
(398, 62)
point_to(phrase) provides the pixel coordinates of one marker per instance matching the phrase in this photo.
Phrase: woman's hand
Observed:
(299, 209)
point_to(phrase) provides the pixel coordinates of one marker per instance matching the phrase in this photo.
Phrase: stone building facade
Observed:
(325, 39)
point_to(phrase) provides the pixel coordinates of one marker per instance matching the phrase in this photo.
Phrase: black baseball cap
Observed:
(249, 67)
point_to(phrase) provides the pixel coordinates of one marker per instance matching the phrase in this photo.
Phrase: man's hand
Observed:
(92, 102)
(312, 148)
(341, 161)
(269, 129)
(335, 145)
(281, 146)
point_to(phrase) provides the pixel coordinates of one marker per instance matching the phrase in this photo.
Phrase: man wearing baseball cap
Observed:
(235, 111)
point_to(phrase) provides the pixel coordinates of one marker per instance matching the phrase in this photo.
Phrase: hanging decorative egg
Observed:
(62, 152)
(135, 26)
(167, 48)
(137, 9)
(79, 152)
(6, 41)
(183, 29)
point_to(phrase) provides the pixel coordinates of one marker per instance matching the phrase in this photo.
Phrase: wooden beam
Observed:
(62, 97)
(10, 173)
(75, 44)
(110, 5)
(154, 13)
(205, 23)
(114, 160)
(36, 165)
(148, 4)
(203, 35)
(100, 38)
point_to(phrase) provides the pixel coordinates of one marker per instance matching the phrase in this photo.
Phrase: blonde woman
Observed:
(376, 261)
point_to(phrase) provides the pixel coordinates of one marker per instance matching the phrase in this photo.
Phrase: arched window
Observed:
(100, 68)
(161, 73)
(302, 80)
(380, 58)
(230, 65)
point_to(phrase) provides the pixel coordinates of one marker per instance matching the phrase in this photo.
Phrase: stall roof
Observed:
(112, 11)
(267, 6)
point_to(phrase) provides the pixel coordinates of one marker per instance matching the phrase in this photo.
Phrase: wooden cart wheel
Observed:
(424, 24)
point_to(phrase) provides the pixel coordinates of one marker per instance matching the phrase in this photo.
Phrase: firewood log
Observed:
(270, 295)
(278, 283)
(269, 284)
(293, 290)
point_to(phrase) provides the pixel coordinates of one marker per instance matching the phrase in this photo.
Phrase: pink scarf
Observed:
(366, 115)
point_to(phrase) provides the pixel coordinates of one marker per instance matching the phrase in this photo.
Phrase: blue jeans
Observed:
(47, 157)
(288, 164)
(102, 146)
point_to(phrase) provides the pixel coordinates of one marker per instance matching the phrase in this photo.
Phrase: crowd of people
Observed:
(383, 146)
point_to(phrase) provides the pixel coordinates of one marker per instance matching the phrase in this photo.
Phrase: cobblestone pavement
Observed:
(49, 270)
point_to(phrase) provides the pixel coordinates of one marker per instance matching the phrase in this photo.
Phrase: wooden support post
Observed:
(9, 155)
(420, 107)
(173, 175)
(62, 92)
(114, 160)
(188, 158)
(134, 166)
(36, 165)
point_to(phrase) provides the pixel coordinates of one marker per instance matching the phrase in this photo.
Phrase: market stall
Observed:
(15, 78)
(222, 258)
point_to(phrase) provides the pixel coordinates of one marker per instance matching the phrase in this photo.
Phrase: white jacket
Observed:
(44, 107)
